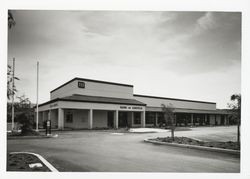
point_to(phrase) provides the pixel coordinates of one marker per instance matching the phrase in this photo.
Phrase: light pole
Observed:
(13, 95)
(37, 86)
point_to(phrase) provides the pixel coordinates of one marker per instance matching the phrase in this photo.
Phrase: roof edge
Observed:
(48, 102)
(176, 99)
(211, 110)
(91, 80)
(72, 100)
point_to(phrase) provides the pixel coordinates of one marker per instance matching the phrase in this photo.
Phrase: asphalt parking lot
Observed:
(106, 151)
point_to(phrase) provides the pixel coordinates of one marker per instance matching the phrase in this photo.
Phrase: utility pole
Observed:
(37, 86)
(13, 95)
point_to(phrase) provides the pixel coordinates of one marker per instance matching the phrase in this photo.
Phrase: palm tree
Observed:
(11, 20)
(10, 91)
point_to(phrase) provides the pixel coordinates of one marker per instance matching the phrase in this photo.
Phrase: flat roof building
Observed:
(86, 104)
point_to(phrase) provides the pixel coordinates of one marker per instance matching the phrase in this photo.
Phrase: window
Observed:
(137, 118)
(161, 119)
(150, 118)
(69, 117)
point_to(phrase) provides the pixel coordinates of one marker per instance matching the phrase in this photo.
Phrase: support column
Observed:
(226, 119)
(132, 119)
(37, 120)
(49, 115)
(192, 119)
(116, 121)
(205, 119)
(143, 114)
(90, 120)
(60, 118)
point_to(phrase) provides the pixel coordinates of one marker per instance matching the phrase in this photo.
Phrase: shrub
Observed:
(26, 123)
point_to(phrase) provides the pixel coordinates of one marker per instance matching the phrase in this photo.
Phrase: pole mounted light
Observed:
(13, 95)
(37, 86)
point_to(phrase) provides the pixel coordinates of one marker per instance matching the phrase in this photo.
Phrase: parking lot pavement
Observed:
(102, 151)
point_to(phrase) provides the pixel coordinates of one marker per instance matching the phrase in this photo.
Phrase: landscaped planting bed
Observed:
(188, 141)
(23, 161)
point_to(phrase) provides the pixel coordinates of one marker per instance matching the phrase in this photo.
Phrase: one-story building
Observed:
(86, 104)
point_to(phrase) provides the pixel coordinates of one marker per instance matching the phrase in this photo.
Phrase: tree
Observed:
(235, 106)
(24, 102)
(169, 117)
(25, 119)
(25, 115)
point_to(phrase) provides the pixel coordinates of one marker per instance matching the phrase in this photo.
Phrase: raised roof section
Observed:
(91, 80)
(177, 99)
(155, 101)
(89, 87)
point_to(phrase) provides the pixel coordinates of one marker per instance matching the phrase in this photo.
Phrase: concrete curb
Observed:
(45, 162)
(33, 137)
(213, 149)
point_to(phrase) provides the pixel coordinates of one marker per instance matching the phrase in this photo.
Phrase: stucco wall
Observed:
(93, 89)
(80, 119)
(100, 118)
(97, 106)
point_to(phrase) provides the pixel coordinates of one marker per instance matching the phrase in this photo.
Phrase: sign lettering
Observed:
(81, 84)
(133, 107)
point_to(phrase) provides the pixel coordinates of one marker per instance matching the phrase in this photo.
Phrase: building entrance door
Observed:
(123, 119)
(110, 119)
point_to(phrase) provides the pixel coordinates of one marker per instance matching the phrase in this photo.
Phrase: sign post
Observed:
(48, 127)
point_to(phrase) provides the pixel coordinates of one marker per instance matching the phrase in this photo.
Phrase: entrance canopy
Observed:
(82, 111)
(94, 99)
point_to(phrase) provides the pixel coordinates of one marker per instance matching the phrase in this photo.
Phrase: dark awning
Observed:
(97, 99)
(185, 110)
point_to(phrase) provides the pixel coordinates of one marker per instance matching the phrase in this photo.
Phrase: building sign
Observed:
(131, 107)
(135, 107)
(81, 84)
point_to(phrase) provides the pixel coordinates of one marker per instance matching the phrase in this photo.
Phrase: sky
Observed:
(187, 55)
